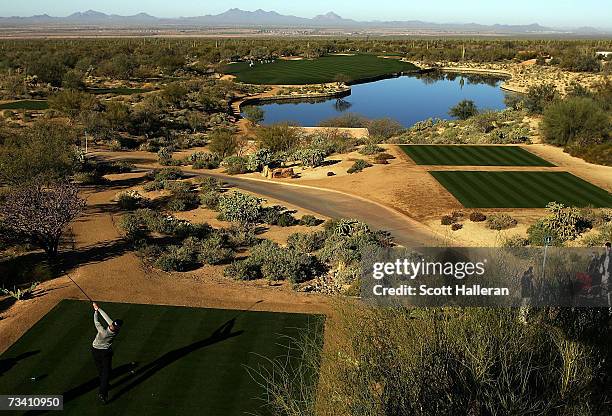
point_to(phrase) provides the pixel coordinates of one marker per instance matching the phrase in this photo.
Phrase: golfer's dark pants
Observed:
(103, 360)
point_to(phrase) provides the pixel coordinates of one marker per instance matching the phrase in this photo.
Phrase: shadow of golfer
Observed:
(144, 373)
(88, 386)
(8, 363)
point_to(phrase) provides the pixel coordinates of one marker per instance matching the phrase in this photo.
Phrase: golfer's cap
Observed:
(118, 323)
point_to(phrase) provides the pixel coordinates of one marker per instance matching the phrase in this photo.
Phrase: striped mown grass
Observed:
(188, 361)
(316, 71)
(479, 189)
(472, 155)
(25, 105)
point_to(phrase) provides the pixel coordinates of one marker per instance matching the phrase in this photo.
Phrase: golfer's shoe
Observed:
(102, 398)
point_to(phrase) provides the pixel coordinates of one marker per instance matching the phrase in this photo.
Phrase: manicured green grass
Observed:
(315, 71)
(472, 155)
(521, 189)
(190, 361)
(25, 105)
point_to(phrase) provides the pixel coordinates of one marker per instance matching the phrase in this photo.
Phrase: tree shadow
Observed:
(8, 363)
(222, 333)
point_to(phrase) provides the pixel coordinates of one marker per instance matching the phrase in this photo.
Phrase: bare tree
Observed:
(40, 213)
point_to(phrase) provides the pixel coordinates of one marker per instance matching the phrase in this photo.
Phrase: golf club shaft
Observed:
(80, 288)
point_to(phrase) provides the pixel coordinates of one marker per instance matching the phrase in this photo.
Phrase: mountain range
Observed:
(261, 18)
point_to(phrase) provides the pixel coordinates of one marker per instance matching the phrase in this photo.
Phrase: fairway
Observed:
(316, 71)
(190, 361)
(25, 105)
(472, 155)
(521, 189)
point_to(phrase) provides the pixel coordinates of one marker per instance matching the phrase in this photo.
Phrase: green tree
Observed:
(575, 118)
(278, 137)
(464, 110)
(44, 152)
(223, 142)
(539, 96)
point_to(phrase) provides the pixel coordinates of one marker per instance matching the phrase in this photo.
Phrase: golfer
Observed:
(101, 348)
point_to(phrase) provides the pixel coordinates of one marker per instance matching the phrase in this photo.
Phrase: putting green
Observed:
(315, 71)
(190, 361)
(472, 155)
(480, 189)
(25, 105)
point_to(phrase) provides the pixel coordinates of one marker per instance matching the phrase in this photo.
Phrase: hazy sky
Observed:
(571, 13)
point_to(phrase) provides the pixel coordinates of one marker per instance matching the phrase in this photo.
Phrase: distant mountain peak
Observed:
(329, 16)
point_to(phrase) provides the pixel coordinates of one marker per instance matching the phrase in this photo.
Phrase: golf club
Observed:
(77, 285)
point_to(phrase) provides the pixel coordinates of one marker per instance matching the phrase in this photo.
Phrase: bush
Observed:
(456, 226)
(501, 222)
(183, 201)
(208, 183)
(210, 199)
(306, 242)
(383, 158)
(310, 156)
(477, 216)
(240, 207)
(177, 258)
(210, 250)
(384, 127)
(575, 118)
(278, 137)
(310, 220)
(447, 220)
(235, 165)
(256, 161)
(239, 236)
(539, 97)
(205, 161)
(515, 241)
(358, 166)
(130, 200)
(370, 149)
(463, 110)
(223, 142)
(242, 270)
(167, 174)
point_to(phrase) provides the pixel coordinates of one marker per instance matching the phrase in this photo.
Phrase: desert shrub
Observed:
(210, 250)
(310, 220)
(167, 174)
(89, 178)
(277, 215)
(575, 118)
(456, 226)
(223, 142)
(235, 165)
(447, 220)
(600, 154)
(515, 241)
(177, 258)
(310, 156)
(384, 127)
(306, 242)
(130, 200)
(382, 158)
(278, 137)
(256, 161)
(240, 207)
(239, 236)
(477, 216)
(370, 149)
(205, 160)
(183, 199)
(538, 97)
(600, 237)
(242, 270)
(351, 120)
(278, 263)
(463, 110)
(538, 231)
(481, 361)
(132, 227)
(501, 221)
(208, 183)
(164, 155)
(154, 186)
(358, 166)
(210, 199)
(177, 186)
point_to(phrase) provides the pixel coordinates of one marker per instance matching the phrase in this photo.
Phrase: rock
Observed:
(330, 173)
(280, 173)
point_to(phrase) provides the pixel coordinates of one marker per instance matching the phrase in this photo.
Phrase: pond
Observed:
(407, 99)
